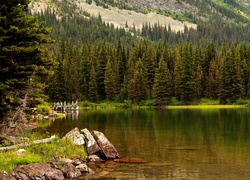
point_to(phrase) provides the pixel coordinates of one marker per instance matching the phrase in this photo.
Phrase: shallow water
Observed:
(177, 144)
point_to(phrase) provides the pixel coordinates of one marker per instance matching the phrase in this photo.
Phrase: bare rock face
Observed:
(106, 146)
(76, 137)
(37, 171)
(91, 144)
(70, 171)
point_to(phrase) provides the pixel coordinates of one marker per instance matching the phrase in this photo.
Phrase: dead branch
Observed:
(41, 141)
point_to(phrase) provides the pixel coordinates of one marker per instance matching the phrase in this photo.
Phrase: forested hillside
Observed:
(99, 62)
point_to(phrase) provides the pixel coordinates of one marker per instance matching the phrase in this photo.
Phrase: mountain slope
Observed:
(118, 17)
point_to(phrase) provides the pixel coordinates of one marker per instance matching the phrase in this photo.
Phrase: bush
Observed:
(146, 103)
(175, 102)
(43, 109)
(242, 102)
(205, 101)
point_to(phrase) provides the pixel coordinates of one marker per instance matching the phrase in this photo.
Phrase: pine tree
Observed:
(162, 84)
(92, 96)
(24, 63)
(57, 89)
(102, 62)
(109, 82)
(199, 82)
(233, 75)
(184, 74)
(149, 61)
(137, 87)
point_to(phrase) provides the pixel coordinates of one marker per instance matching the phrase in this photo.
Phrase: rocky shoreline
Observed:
(98, 147)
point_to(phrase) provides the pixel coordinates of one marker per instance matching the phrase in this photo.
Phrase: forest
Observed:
(97, 62)
(44, 58)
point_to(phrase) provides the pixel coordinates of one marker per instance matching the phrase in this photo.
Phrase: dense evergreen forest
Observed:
(98, 62)
(92, 60)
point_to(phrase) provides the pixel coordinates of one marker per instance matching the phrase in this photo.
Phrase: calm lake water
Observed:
(177, 144)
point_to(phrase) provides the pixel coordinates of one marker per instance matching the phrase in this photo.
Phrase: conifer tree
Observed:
(92, 96)
(220, 74)
(85, 67)
(233, 75)
(102, 62)
(149, 61)
(57, 89)
(137, 87)
(109, 82)
(186, 84)
(23, 60)
(199, 82)
(162, 84)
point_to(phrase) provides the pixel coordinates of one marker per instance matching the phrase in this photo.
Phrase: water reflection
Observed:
(178, 144)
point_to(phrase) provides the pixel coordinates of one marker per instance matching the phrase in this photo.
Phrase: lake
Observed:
(176, 143)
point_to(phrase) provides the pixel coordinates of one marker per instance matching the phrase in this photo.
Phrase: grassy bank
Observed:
(205, 106)
(174, 103)
(40, 153)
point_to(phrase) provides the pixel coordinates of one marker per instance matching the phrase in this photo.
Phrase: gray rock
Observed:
(94, 158)
(65, 160)
(76, 137)
(70, 171)
(91, 144)
(106, 146)
(83, 168)
(37, 171)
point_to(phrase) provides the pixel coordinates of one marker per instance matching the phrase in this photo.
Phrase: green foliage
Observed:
(41, 153)
(205, 101)
(24, 61)
(43, 109)
(242, 102)
(175, 102)
(162, 84)
(148, 103)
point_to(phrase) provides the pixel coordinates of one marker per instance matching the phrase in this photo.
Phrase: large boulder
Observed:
(37, 171)
(76, 137)
(108, 149)
(91, 144)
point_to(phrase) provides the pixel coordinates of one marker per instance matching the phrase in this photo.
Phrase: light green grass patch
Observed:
(41, 153)
(206, 107)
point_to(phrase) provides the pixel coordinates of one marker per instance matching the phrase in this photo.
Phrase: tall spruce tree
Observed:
(109, 82)
(137, 87)
(92, 96)
(233, 75)
(162, 84)
(23, 61)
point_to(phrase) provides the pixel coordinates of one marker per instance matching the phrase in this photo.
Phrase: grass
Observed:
(41, 153)
(204, 106)
(174, 104)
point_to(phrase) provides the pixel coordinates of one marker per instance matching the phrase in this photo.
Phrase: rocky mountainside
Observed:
(176, 13)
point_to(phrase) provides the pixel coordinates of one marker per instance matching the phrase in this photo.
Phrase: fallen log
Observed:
(46, 140)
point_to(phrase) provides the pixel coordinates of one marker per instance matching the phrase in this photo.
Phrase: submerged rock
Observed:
(130, 160)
